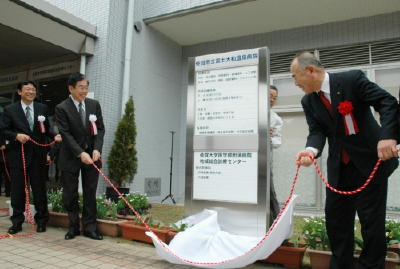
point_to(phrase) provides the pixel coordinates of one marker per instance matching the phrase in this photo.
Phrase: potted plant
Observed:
(316, 239)
(122, 161)
(138, 201)
(392, 234)
(57, 216)
(107, 222)
(317, 242)
(392, 228)
(176, 228)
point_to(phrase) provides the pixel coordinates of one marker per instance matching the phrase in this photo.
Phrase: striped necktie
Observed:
(82, 114)
(28, 115)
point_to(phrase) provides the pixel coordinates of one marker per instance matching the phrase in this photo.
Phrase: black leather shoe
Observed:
(71, 234)
(41, 228)
(93, 235)
(15, 229)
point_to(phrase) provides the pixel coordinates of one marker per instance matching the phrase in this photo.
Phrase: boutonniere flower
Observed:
(93, 126)
(41, 120)
(350, 125)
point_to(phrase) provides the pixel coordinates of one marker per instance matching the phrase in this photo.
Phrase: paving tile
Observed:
(51, 251)
(36, 264)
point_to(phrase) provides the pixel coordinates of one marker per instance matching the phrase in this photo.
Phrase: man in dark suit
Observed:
(22, 121)
(356, 141)
(80, 123)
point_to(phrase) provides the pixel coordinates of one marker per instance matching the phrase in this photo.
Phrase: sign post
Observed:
(227, 139)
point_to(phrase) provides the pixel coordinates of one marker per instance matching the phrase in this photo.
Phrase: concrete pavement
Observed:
(51, 250)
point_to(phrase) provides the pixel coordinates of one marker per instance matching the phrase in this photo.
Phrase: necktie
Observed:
(28, 115)
(326, 102)
(343, 154)
(82, 114)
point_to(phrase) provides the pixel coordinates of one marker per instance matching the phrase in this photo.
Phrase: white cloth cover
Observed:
(205, 245)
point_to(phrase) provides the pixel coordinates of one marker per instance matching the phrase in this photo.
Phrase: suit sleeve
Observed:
(316, 137)
(382, 101)
(64, 129)
(98, 140)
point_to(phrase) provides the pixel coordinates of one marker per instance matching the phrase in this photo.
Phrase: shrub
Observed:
(122, 160)
(138, 201)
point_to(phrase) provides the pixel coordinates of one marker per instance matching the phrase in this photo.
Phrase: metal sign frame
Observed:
(238, 218)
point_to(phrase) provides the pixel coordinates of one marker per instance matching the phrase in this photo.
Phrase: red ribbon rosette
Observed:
(41, 120)
(350, 125)
(93, 126)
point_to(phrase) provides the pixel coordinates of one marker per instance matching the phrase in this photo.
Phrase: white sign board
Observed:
(227, 101)
(226, 93)
(225, 176)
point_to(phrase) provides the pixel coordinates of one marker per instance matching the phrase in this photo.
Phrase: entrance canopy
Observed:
(34, 31)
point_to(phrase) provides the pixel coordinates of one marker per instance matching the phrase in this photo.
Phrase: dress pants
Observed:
(273, 200)
(70, 181)
(340, 210)
(35, 173)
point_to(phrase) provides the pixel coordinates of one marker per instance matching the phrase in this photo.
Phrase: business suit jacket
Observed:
(352, 86)
(76, 137)
(13, 122)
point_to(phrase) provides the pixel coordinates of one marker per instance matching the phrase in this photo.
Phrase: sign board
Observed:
(227, 101)
(12, 79)
(227, 138)
(225, 176)
(53, 70)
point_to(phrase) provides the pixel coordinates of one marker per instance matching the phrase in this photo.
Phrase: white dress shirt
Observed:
(76, 103)
(24, 106)
(276, 129)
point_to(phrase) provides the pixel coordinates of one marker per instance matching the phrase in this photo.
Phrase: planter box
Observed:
(392, 260)
(132, 231)
(289, 257)
(57, 219)
(394, 248)
(319, 259)
(109, 227)
(105, 227)
(126, 217)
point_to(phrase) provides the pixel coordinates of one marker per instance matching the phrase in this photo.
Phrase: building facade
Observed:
(141, 48)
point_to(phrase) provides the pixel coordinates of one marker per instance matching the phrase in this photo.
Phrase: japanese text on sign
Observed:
(223, 176)
(226, 101)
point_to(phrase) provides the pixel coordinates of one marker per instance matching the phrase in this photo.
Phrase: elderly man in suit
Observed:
(337, 107)
(21, 122)
(80, 123)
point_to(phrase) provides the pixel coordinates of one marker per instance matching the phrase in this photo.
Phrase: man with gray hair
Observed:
(337, 108)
